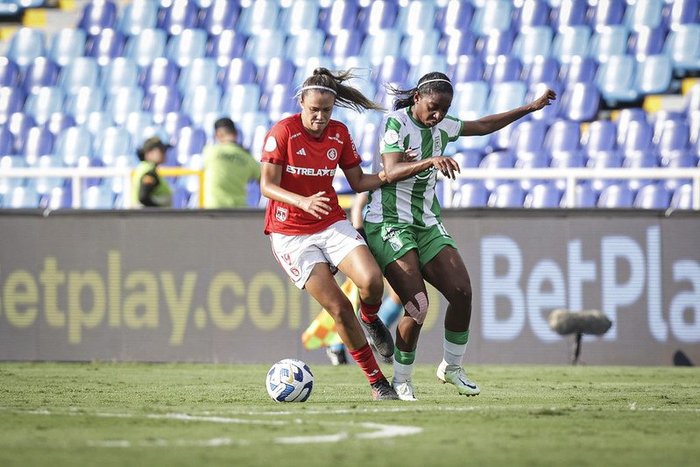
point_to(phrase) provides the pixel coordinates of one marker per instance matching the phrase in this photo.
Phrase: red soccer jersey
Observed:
(308, 166)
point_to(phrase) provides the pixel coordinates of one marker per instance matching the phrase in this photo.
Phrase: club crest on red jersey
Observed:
(281, 213)
(332, 154)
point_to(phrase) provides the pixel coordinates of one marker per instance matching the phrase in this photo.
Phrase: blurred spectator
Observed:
(148, 188)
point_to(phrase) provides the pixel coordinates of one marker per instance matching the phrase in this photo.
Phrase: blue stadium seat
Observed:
(607, 12)
(279, 70)
(187, 46)
(496, 160)
(647, 41)
(639, 160)
(468, 158)
(562, 135)
(304, 45)
(507, 195)
(201, 72)
(454, 15)
(340, 16)
(199, 101)
(415, 46)
(11, 101)
(466, 68)
(600, 135)
(693, 119)
(112, 143)
(39, 73)
(625, 116)
(616, 196)
(238, 71)
(380, 44)
(178, 17)
(138, 124)
(638, 137)
(609, 41)
(691, 100)
(570, 43)
(457, 44)
(226, 46)
(391, 70)
(495, 14)
(97, 16)
(120, 72)
(173, 123)
(601, 160)
(265, 45)
(580, 102)
(346, 43)
(504, 68)
(644, 13)
(162, 99)
(550, 112)
(416, 16)
(543, 195)
(220, 16)
(541, 69)
(532, 42)
(653, 75)
(9, 73)
(616, 79)
(579, 70)
(72, 144)
(682, 197)
(249, 124)
(66, 45)
(683, 45)
(506, 96)
(531, 13)
(652, 196)
(85, 100)
(377, 16)
(565, 159)
(106, 45)
(145, 47)
(569, 13)
(427, 64)
(674, 136)
(585, 196)
(240, 99)
(301, 15)
(682, 12)
(530, 160)
(470, 100)
(25, 45)
(122, 101)
(472, 194)
(58, 122)
(494, 43)
(280, 102)
(7, 142)
(21, 197)
(97, 197)
(261, 15)
(45, 101)
(19, 125)
(81, 72)
(161, 72)
(7, 185)
(190, 141)
(45, 184)
(137, 16)
(528, 137)
(39, 142)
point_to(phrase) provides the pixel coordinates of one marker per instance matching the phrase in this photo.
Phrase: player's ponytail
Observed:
(431, 82)
(345, 96)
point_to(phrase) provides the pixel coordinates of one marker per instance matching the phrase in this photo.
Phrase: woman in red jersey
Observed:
(310, 235)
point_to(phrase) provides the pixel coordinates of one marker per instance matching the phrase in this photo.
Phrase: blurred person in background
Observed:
(148, 188)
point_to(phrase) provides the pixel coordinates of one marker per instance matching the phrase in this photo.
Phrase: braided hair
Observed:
(345, 96)
(435, 82)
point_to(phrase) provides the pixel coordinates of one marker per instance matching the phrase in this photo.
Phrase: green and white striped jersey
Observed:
(414, 200)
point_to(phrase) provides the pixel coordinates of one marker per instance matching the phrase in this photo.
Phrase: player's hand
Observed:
(410, 155)
(316, 204)
(544, 100)
(447, 165)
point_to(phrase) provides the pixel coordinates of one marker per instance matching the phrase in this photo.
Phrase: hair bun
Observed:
(321, 71)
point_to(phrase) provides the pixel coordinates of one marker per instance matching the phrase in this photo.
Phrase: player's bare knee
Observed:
(371, 288)
(461, 296)
(417, 308)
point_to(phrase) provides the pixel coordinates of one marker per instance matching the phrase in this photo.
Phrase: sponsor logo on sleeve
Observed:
(270, 144)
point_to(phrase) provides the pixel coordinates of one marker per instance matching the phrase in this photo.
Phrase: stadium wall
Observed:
(203, 286)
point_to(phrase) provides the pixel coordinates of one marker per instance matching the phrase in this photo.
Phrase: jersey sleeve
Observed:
(275, 146)
(393, 136)
(452, 126)
(350, 157)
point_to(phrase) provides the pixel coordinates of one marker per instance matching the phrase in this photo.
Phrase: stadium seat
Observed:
(112, 143)
(550, 112)
(416, 17)
(97, 16)
(639, 160)
(674, 136)
(531, 13)
(580, 102)
(190, 142)
(122, 101)
(106, 45)
(178, 17)
(682, 197)
(19, 125)
(249, 124)
(653, 75)
(97, 197)
(145, 47)
(199, 101)
(693, 119)
(21, 197)
(608, 41)
(541, 69)
(11, 101)
(7, 142)
(507, 195)
(173, 122)
(66, 45)
(496, 160)
(643, 13)
(72, 144)
(304, 45)
(279, 70)
(340, 16)
(240, 99)
(470, 100)
(238, 71)
(83, 102)
(607, 12)
(647, 41)
(58, 122)
(120, 72)
(45, 101)
(578, 70)
(427, 64)
(492, 15)
(264, 46)
(39, 73)
(625, 116)
(569, 13)
(571, 42)
(504, 68)
(39, 143)
(506, 96)
(301, 15)
(600, 135)
(346, 43)
(682, 12)
(259, 16)
(187, 46)
(81, 72)
(382, 43)
(161, 72)
(602, 160)
(9, 73)
(137, 16)
(683, 45)
(472, 194)
(162, 99)
(280, 102)
(532, 42)
(584, 196)
(563, 160)
(616, 79)
(201, 72)
(220, 16)
(652, 196)
(456, 45)
(226, 46)
(377, 16)
(419, 44)
(493, 44)
(391, 70)
(138, 124)
(638, 136)
(467, 68)
(25, 45)
(542, 195)
(528, 137)
(562, 135)
(616, 196)
(454, 15)
(7, 184)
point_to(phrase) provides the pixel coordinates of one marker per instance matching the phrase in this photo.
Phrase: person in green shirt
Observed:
(147, 187)
(228, 168)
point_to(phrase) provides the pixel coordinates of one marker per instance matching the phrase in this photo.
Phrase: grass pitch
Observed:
(167, 415)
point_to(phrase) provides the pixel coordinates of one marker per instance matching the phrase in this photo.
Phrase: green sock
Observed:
(460, 338)
(404, 358)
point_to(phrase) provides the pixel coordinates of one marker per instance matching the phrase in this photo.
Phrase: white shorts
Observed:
(297, 254)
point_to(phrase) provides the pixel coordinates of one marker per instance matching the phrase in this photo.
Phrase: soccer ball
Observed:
(289, 380)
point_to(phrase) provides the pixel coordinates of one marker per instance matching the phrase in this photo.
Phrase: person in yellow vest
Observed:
(147, 187)
(228, 168)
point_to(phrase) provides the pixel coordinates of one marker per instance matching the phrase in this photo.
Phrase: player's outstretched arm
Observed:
(495, 122)
(271, 176)
(397, 168)
(361, 182)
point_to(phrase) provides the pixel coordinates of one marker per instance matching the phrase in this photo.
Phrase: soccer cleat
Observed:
(337, 357)
(404, 389)
(382, 391)
(379, 356)
(454, 374)
(380, 337)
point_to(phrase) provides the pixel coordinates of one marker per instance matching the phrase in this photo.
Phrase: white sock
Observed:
(453, 354)
(402, 373)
